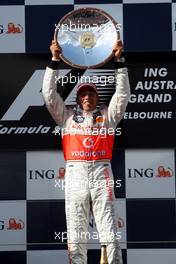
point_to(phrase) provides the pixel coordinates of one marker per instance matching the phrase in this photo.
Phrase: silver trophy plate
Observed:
(87, 37)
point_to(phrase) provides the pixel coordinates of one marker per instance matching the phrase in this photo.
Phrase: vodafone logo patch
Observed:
(88, 142)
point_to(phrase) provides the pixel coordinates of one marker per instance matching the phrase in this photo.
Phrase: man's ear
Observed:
(78, 102)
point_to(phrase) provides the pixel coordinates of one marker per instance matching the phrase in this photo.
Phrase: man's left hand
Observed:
(118, 50)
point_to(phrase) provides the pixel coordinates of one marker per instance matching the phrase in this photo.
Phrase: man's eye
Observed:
(85, 94)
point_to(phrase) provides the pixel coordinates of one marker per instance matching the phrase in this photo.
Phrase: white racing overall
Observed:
(87, 144)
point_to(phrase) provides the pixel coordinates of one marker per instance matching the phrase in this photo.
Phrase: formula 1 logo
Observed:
(88, 142)
(29, 96)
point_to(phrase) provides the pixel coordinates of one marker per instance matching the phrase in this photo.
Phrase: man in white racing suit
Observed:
(87, 144)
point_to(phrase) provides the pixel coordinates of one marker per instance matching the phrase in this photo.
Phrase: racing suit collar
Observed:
(83, 112)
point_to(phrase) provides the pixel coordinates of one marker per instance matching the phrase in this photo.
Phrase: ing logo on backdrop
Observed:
(12, 224)
(160, 171)
(11, 28)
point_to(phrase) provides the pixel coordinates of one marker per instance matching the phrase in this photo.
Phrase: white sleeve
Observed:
(53, 100)
(119, 100)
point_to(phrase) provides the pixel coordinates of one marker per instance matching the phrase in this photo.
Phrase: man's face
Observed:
(88, 99)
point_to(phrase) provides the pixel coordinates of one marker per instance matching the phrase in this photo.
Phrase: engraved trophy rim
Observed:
(74, 12)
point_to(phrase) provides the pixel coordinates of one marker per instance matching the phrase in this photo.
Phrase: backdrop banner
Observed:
(25, 123)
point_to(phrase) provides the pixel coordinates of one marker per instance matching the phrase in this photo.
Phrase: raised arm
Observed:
(53, 100)
(119, 100)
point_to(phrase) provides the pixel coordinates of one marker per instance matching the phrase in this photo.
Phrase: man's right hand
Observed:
(118, 50)
(55, 50)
